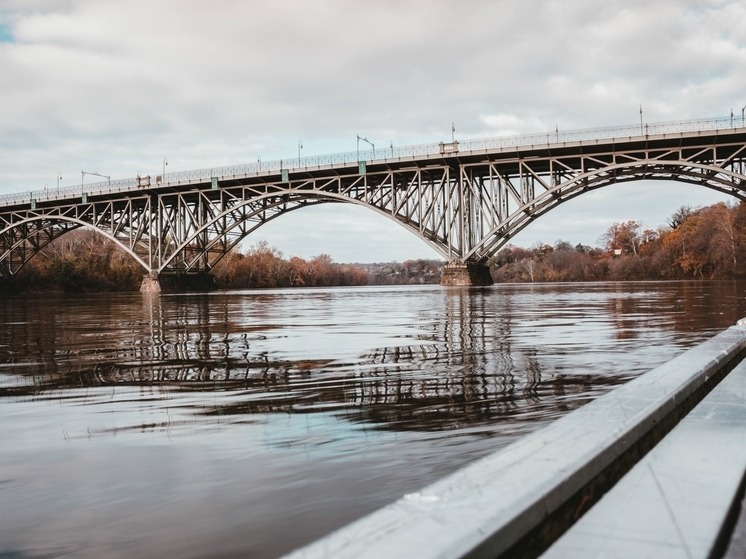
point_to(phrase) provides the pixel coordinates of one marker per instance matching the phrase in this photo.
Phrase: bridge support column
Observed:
(150, 283)
(459, 274)
(177, 282)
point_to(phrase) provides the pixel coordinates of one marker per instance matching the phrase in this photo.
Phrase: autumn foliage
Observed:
(703, 243)
(81, 261)
(264, 266)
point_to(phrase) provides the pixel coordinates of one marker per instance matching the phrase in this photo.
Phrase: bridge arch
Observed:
(715, 178)
(276, 201)
(49, 230)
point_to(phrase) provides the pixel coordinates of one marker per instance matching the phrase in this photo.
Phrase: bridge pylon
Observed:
(457, 274)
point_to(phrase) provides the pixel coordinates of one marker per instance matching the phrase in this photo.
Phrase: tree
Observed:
(623, 236)
(679, 216)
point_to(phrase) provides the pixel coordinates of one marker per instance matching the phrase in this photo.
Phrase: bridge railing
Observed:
(382, 155)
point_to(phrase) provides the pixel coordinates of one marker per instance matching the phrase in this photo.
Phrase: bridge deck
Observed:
(721, 130)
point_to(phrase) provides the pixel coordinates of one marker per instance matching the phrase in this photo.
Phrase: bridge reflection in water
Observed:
(481, 358)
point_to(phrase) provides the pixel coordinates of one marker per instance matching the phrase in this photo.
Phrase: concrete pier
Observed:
(177, 283)
(519, 501)
(464, 275)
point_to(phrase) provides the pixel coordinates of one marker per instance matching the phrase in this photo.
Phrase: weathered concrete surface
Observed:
(150, 284)
(491, 507)
(737, 545)
(464, 275)
(177, 283)
(675, 502)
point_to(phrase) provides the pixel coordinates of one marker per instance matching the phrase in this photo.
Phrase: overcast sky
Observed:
(116, 86)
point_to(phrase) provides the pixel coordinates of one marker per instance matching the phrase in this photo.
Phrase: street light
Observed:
(259, 160)
(84, 173)
(359, 137)
(300, 147)
(59, 178)
(742, 114)
(641, 120)
(165, 163)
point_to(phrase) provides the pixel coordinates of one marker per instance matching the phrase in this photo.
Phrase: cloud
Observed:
(118, 85)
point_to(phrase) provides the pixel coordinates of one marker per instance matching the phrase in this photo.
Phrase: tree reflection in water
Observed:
(467, 358)
(247, 424)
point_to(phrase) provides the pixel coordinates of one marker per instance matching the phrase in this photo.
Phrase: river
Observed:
(248, 423)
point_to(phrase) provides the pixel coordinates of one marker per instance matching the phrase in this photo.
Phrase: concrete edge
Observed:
(692, 480)
(486, 508)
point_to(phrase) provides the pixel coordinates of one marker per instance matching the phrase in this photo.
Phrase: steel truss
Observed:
(466, 206)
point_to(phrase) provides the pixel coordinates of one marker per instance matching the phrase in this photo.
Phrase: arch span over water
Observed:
(465, 203)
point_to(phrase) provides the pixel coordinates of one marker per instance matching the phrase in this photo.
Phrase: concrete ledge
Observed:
(675, 502)
(517, 501)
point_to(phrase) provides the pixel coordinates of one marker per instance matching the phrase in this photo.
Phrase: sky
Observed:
(115, 87)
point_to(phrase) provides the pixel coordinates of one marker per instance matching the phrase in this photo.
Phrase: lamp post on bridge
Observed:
(640, 120)
(59, 178)
(165, 164)
(300, 147)
(84, 173)
(359, 137)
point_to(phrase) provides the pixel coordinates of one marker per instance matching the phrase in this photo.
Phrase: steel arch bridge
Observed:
(465, 200)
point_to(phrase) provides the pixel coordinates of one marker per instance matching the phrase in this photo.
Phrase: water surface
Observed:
(245, 424)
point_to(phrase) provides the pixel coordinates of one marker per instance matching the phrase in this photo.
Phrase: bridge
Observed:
(464, 199)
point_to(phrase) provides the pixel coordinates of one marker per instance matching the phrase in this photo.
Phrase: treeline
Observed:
(85, 261)
(264, 266)
(702, 243)
(80, 261)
